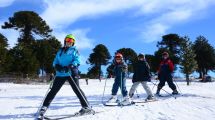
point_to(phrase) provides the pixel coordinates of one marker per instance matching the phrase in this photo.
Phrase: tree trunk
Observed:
(206, 72)
(187, 79)
(100, 73)
(200, 74)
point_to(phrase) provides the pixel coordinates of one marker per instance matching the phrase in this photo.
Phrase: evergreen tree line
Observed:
(36, 49)
(191, 56)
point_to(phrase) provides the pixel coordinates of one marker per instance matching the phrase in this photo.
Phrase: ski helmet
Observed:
(118, 56)
(69, 38)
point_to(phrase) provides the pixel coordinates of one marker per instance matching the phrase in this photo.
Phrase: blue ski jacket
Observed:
(66, 58)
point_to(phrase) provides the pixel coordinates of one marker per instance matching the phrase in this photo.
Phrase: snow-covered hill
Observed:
(20, 101)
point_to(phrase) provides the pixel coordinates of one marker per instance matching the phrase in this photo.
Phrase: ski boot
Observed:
(175, 92)
(113, 99)
(85, 111)
(150, 98)
(41, 113)
(131, 95)
(126, 101)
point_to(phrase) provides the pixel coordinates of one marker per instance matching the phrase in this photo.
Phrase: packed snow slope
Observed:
(197, 102)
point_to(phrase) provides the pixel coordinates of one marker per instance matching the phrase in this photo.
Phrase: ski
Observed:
(170, 95)
(59, 117)
(120, 105)
(144, 101)
(111, 104)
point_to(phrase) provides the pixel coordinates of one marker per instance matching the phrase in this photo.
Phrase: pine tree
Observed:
(24, 60)
(28, 23)
(151, 60)
(29, 55)
(99, 57)
(171, 42)
(188, 62)
(45, 51)
(3, 53)
(205, 55)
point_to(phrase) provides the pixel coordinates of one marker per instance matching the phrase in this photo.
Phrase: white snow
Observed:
(21, 101)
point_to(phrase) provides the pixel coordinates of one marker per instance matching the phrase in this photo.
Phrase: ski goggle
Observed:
(70, 40)
(164, 55)
(118, 59)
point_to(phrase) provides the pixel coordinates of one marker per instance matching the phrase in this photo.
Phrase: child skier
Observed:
(165, 74)
(120, 69)
(141, 76)
(66, 65)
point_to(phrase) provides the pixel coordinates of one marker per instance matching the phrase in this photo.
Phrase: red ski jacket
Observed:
(166, 66)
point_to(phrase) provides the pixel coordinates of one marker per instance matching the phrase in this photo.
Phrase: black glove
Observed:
(66, 69)
(59, 67)
(124, 68)
(74, 70)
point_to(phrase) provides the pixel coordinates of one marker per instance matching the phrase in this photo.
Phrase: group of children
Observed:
(66, 65)
(141, 75)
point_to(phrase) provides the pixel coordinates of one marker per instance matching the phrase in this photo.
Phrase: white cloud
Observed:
(60, 13)
(82, 41)
(153, 32)
(5, 3)
(171, 13)
(166, 14)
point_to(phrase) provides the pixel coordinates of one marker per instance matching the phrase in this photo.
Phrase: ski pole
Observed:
(121, 90)
(121, 87)
(50, 86)
(177, 86)
(164, 90)
(104, 91)
(78, 88)
(154, 85)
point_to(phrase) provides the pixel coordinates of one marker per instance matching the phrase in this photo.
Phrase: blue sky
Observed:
(136, 24)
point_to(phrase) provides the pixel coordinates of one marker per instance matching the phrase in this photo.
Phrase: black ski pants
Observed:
(58, 83)
(166, 78)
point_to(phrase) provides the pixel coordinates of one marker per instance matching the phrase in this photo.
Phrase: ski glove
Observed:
(66, 69)
(75, 71)
(124, 68)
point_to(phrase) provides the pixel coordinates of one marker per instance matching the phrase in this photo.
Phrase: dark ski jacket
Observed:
(141, 72)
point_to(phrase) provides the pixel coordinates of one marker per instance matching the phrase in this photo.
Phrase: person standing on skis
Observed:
(165, 71)
(141, 76)
(120, 69)
(66, 64)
